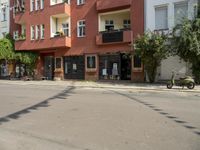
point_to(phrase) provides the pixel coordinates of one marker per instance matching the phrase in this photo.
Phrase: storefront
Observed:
(74, 67)
(115, 66)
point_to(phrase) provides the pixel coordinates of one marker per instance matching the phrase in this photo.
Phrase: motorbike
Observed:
(187, 81)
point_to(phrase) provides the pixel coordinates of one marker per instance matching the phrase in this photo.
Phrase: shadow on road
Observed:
(162, 112)
(45, 103)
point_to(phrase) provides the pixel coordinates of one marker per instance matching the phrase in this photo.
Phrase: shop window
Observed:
(74, 68)
(91, 62)
(137, 63)
(58, 62)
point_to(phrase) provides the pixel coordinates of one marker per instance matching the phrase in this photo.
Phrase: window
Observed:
(137, 63)
(32, 8)
(37, 5)
(161, 18)
(42, 31)
(127, 24)
(65, 28)
(42, 4)
(91, 62)
(15, 35)
(3, 10)
(58, 63)
(80, 2)
(32, 32)
(81, 28)
(180, 12)
(37, 33)
(109, 25)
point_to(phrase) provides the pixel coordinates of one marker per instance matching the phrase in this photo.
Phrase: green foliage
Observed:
(6, 49)
(186, 44)
(7, 52)
(152, 48)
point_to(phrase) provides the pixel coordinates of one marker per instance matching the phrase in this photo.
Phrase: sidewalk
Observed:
(101, 84)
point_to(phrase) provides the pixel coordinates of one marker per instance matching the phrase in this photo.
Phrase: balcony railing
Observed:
(111, 37)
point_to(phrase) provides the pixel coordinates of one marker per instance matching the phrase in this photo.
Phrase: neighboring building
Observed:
(4, 17)
(80, 39)
(162, 16)
(4, 29)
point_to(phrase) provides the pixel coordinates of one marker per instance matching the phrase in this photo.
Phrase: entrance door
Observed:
(74, 67)
(125, 67)
(49, 67)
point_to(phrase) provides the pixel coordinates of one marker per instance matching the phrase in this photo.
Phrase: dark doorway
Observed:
(125, 67)
(74, 67)
(49, 67)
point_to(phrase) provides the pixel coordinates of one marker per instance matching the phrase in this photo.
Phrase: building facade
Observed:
(81, 39)
(4, 17)
(162, 16)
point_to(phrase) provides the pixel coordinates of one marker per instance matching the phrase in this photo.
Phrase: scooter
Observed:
(187, 81)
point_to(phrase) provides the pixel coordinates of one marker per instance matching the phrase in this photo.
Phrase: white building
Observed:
(164, 15)
(4, 17)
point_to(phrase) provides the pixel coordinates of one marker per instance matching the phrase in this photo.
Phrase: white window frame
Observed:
(32, 32)
(41, 4)
(81, 25)
(42, 29)
(4, 16)
(16, 35)
(32, 5)
(162, 7)
(127, 23)
(37, 32)
(37, 4)
(109, 23)
(65, 26)
(80, 2)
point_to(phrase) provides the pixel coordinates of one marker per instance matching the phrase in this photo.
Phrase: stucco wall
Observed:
(4, 26)
(172, 63)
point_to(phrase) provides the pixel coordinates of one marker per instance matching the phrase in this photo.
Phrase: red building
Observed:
(80, 39)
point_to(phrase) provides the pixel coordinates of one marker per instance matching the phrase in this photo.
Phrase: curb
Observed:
(162, 88)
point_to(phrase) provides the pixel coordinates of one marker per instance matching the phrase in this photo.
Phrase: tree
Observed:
(152, 49)
(186, 44)
(6, 49)
(7, 52)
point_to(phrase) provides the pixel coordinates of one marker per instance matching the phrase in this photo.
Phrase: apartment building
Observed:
(4, 17)
(81, 39)
(162, 16)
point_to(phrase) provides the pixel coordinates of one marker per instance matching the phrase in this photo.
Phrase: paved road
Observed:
(36, 117)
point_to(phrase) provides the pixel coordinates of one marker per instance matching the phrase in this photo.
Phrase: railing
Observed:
(116, 36)
(113, 36)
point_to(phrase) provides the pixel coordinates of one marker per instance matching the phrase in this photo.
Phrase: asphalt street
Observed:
(38, 117)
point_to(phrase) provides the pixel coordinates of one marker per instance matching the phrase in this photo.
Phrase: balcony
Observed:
(60, 8)
(102, 5)
(52, 43)
(53, 2)
(114, 37)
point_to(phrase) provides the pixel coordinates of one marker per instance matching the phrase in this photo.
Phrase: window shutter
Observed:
(161, 18)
